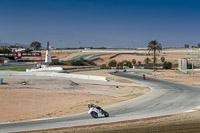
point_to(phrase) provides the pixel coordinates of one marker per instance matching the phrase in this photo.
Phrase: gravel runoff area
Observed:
(32, 97)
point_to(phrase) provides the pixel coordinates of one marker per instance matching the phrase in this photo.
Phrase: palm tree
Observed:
(162, 59)
(154, 46)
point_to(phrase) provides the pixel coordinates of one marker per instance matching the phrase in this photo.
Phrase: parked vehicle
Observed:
(96, 111)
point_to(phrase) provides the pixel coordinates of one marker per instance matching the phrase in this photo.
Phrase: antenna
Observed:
(48, 45)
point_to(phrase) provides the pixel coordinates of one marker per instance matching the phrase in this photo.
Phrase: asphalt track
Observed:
(165, 98)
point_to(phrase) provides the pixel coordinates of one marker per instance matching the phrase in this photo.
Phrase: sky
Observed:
(100, 23)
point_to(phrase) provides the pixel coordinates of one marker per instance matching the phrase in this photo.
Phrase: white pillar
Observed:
(48, 57)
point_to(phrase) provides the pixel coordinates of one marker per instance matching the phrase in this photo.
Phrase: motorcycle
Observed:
(96, 111)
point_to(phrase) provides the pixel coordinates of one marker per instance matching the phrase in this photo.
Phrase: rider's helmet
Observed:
(89, 105)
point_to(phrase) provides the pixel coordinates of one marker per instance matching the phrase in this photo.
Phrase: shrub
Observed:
(139, 63)
(103, 66)
(129, 64)
(125, 63)
(77, 63)
(162, 59)
(5, 50)
(88, 62)
(147, 60)
(167, 65)
(189, 65)
(134, 61)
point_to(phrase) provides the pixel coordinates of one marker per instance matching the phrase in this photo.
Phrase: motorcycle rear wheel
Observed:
(94, 114)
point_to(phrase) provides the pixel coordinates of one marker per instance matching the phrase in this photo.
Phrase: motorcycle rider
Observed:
(90, 105)
(96, 111)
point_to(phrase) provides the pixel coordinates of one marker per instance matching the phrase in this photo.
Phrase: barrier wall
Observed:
(193, 70)
(45, 69)
(84, 69)
(53, 74)
(138, 67)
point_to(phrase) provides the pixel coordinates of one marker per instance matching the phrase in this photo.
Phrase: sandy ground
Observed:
(55, 97)
(172, 75)
(173, 57)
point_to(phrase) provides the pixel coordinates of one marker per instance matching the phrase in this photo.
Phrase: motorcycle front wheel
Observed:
(94, 114)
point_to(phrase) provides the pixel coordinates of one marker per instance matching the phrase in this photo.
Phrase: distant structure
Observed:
(48, 54)
(186, 46)
(46, 66)
(182, 65)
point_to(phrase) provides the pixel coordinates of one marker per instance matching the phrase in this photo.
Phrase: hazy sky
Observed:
(97, 23)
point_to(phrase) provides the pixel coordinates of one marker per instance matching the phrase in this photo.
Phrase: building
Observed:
(15, 50)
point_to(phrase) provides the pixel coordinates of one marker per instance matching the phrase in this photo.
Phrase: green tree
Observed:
(103, 66)
(112, 63)
(129, 64)
(126, 63)
(162, 59)
(189, 65)
(198, 45)
(154, 46)
(147, 60)
(134, 61)
(139, 63)
(77, 63)
(27, 50)
(120, 64)
(154, 59)
(35, 45)
(5, 50)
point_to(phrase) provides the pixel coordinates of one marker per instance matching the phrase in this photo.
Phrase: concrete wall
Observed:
(193, 70)
(84, 69)
(45, 69)
(138, 67)
(53, 74)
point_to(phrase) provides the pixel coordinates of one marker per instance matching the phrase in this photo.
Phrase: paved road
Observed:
(17, 64)
(165, 98)
(86, 56)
